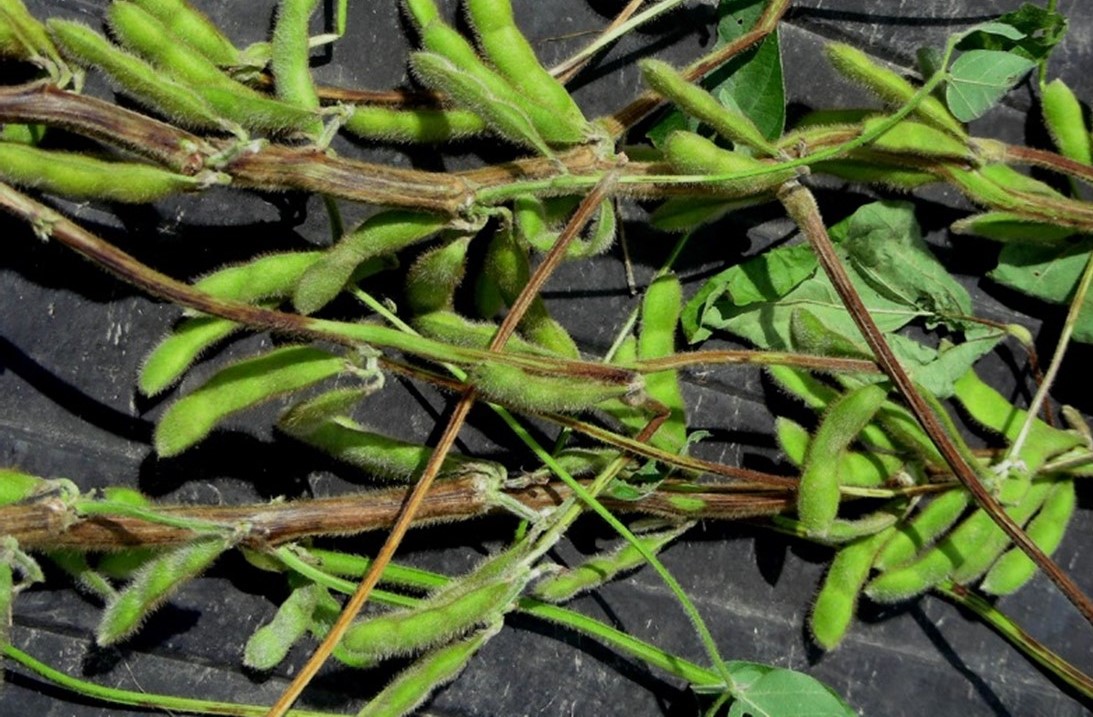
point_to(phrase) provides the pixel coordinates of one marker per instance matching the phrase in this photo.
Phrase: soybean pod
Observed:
(693, 154)
(289, 54)
(76, 176)
(818, 494)
(270, 643)
(837, 600)
(660, 310)
(535, 392)
(1066, 122)
(22, 36)
(193, 28)
(453, 328)
(1046, 530)
(422, 126)
(432, 280)
(919, 533)
(508, 50)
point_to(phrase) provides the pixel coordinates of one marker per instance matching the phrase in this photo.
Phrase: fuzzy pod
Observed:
(809, 334)
(411, 687)
(865, 470)
(660, 311)
(193, 28)
(999, 186)
(506, 48)
(382, 234)
(933, 565)
(440, 39)
(17, 486)
(862, 171)
(453, 328)
(123, 564)
(258, 113)
(377, 455)
(604, 567)
(133, 76)
(818, 493)
(1046, 530)
(995, 542)
(506, 118)
(837, 599)
(268, 646)
(21, 35)
(153, 584)
(174, 355)
(289, 53)
(76, 176)
(1011, 227)
(31, 134)
(541, 393)
(435, 621)
(508, 266)
(1066, 122)
(693, 154)
(539, 222)
(919, 533)
(422, 12)
(920, 140)
(413, 126)
(310, 414)
(990, 409)
(240, 386)
(432, 280)
(734, 126)
(859, 68)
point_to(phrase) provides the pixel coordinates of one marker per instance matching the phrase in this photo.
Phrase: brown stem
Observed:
(1049, 160)
(802, 208)
(41, 102)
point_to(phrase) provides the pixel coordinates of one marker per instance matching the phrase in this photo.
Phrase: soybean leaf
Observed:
(938, 369)
(979, 78)
(751, 83)
(1032, 32)
(781, 693)
(1050, 273)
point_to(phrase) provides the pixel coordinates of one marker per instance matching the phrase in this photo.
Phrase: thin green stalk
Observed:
(1028, 645)
(106, 508)
(614, 34)
(1076, 305)
(146, 700)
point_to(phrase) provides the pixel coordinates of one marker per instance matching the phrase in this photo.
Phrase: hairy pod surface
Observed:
(413, 126)
(289, 57)
(432, 280)
(837, 600)
(929, 524)
(240, 386)
(153, 584)
(268, 646)
(660, 311)
(694, 154)
(194, 28)
(1066, 122)
(541, 393)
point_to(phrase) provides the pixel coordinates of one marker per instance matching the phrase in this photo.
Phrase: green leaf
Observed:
(785, 693)
(979, 78)
(750, 83)
(1030, 31)
(1049, 273)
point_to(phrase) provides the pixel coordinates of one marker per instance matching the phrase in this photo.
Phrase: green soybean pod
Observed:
(193, 28)
(1066, 122)
(809, 334)
(1011, 227)
(17, 486)
(857, 67)
(433, 622)
(508, 266)
(991, 410)
(837, 600)
(123, 564)
(422, 12)
(153, 584)
(735, 126)
(508, 50)
(432, 280)
(75, 176)
(928, 524)
(865, 171)
(604, 567)
(920, 140)
(289, 52)
(416, 126)
(660, 311)
(134, 76)
(995, 541)
(866, 470)
(240, 386)
(411, 687)
(818, 493)
(377, 455)
(10, 45)
(1014, 569)
(793, 439)
(439, 38)
(693, 154)
(382, 234)
(268, 646)
(23, 29)
(504, 117)
(541, 393)
(174, 355)
(31, 134)
(453, 328)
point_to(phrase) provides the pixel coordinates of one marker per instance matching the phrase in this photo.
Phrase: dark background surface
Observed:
(72, 339)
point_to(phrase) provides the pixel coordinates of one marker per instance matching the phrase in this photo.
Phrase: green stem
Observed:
(1076, 305)
(1028, 645)
(146, 700)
